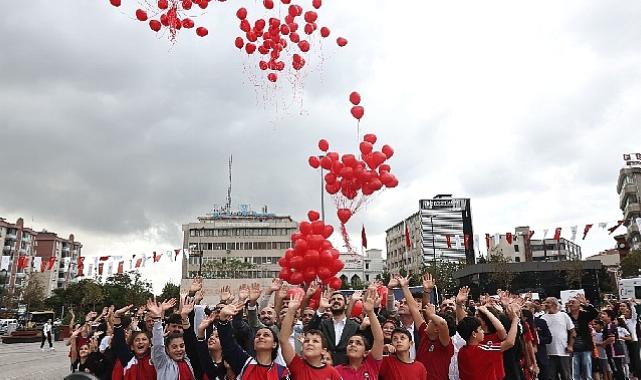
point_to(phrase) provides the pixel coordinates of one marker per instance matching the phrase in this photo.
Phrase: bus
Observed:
(37, 319)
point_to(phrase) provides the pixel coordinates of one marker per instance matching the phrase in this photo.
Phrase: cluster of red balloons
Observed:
(351, 177)
(171, 15)
(312, 256)
(272, 37)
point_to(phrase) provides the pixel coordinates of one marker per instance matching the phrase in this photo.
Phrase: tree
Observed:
(170, 290)
(501, 274)
(34, 293)
(93, 294)
(229, 268)
(127, 288)
(631, 264)
(574, 273)
(443, 274)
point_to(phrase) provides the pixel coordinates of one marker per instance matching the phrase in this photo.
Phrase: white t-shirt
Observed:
(458, 343)
(559, 324)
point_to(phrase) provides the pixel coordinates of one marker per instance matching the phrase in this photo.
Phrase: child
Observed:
(602, 370)
(476, 361)
(399, 365)
(311, 366)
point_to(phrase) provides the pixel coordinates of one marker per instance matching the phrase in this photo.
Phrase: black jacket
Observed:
(338, 351)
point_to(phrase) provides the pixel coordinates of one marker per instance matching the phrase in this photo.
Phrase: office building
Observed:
(519, 247)
(629, 190)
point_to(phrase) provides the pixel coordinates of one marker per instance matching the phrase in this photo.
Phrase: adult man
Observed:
(582, 313)
(563, 333)
(46, 334)
(338, 329)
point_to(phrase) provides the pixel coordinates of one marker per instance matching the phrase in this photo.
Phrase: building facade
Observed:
(25, 251)
(243, 246)
(522, 248)
(361, 269)
(629, 190)
(441, 230)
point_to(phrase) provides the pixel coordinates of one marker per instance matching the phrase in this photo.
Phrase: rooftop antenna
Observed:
(228, 205)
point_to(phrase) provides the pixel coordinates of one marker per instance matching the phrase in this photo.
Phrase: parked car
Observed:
(7, 324)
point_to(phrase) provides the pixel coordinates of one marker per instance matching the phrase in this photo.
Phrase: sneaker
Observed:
(52, 349)
(42, 349)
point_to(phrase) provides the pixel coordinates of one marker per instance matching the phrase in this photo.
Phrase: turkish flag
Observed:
(157, 257)
(52, 261)
(466, 241)
(408, 242)
(586, 229)
(21, 262)
(101, 267)
(138, 262)
(363, 237)
(104, 258)
(449, 240)
(121, 266)
(81, 265)
(177, 251)
(557, 234)
(508, 237)
(613, 228)
(487, 241)
(530, 235)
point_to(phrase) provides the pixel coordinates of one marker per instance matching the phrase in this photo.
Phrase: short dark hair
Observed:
(319, 333)
(401, 330)
(451, 322)
(467, 326)
(599, 322)
(134, 334)
(175, 319)
(172, 336)
(368, 345)
(340, 294)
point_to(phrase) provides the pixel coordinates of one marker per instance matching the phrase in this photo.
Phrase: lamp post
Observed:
(433, 242)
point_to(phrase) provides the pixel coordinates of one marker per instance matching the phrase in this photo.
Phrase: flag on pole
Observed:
(508, 237)
(408, 242)
(177, 252)
(557, 234)
(497, 239)
(138, 262)
(466, 241)
(531, 233)
(449, 241)
(487, 241)
(52, 261)
(363, 237)
(586, 229)
(81, 265)
(101, 268)
(613, 228)
(121, 266)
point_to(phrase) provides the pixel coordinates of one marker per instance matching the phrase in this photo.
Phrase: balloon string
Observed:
(345, 235)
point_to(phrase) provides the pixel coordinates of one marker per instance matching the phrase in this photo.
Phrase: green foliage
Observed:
(501, 274)
(127, 288)
(170, 290)
(574, 274)
(229, 268)
(631, 264)
(443, 274)
(33, 294)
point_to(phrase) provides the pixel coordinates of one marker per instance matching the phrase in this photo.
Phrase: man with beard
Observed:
(338, 329)
(266, 317)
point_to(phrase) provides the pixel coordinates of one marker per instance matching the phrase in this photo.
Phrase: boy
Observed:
(311, 366)
(400, 366)
(476, 361)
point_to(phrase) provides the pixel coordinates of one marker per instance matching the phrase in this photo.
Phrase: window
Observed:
(516, 248)
(517, 259)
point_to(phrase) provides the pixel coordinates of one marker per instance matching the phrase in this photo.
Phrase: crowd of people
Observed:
(285, 333)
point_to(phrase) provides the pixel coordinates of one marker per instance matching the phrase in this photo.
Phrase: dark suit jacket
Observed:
(339, 352)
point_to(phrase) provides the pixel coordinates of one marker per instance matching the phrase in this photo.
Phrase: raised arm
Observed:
(513, 312)
(157, 311)
(428, 286)
(73, 340)
(461, 299)
(375, 325)
(279, 297)
(500, 329)
(286, 329)
(440, 323)
(206, 364)
(119, 345)
(356, 296)
(393, 283)
(232, 352)
(411, 302)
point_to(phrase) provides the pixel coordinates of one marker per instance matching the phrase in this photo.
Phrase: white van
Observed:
(630, 288)
(7, 325)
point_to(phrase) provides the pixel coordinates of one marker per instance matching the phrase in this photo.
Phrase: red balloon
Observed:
(335, 283)
(286, 1)
(272, 77)
(337, 166)
(188, 23)
(305, 227)
(387, 151)
(187, 4)
(285, 274)
(163, 4)
(316, 3)
(330, 178)
(309, 274)
(155, 25)
(115, 3)
(357, 309)
(341, 41)
(201, 31)
(366, 147)
(203, 4)
(241, 13)
(328, 230)
(344, 214)
(298, 262)
(370, 137)
(283, 262)
(355, 98)
(250, 48)
(379, 158)
(318, 227)
(311, 258)
(300, 245)
(324, 273)
(323, 145)
(314, 162)
(303, 46)
(326, 163)
(375, 184)
(358, 112)
(239, 42)
(289, 253)
(295, 236)
(336, 266)
(310, 16)
(269, 4)
(294, 37)
(333, 156)
(349, 160)
(141, 15)
(310, 27)
(333, 188)
(315, 241)
(324, 32)
(386, 178)
(325, 258)
(296, 278)
(259, 25)
(393, 183)
(384, 168)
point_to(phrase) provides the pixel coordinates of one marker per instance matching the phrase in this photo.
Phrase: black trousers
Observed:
(46, 336)
(616, 365)
(635, 361)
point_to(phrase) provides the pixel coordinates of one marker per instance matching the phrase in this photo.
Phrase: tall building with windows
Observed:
(235, 247)
(629, 190)
(65, 252)
(441, 230)
(18, 244)
(520, 248)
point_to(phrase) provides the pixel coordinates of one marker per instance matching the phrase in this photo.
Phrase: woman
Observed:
(134, 358)
(246, 367)
(210, 351)
(86, 358)
(388, 327)
(629, 314)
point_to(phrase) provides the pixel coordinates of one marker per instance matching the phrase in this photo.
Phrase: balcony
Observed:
(11, 236)
(627, 190)
(65, 248)
(632, 211)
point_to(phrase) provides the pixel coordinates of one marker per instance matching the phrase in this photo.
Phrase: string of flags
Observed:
(96, 264)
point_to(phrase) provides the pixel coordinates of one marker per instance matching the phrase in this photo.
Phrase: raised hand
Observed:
(276, 284)
(225, 294)
(255, 291)
(430, 310)
(229, 311)
(196, 285)
(393, 282)
(168, 304)
(513, 311)
(141, 310)
(370, 301)
(463, 294)
(282, 292)
(120, 312)
(311, 290)
(357, 296)
(154, 309)
(403, 281)
(323, 302)
(428, 282)
(198, 296)
(243, 292)
(581, 298)
(187, 306)
(295, 302)
(205, 323)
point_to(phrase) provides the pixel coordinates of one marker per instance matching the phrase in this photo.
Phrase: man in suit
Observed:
(338, 329)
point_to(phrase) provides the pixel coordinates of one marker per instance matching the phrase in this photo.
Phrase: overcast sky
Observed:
(118, 136)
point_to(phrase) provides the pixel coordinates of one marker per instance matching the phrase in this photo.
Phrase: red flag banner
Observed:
(21, 262)
(138, 263)
(177, 252)
(613, 228)
(557, 234)
(508, 237)
(101, 267)
(530, 235)
(104, 258)
(157, 257)
(408, 242)
(363, 237)
(81, 265)
(43, 266)
(52, 261)
(466, 241)
(586, 229)
(121, 266)
(487, 241)
(449, 240)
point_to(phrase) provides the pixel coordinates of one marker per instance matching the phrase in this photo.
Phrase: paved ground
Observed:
(26, 361)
